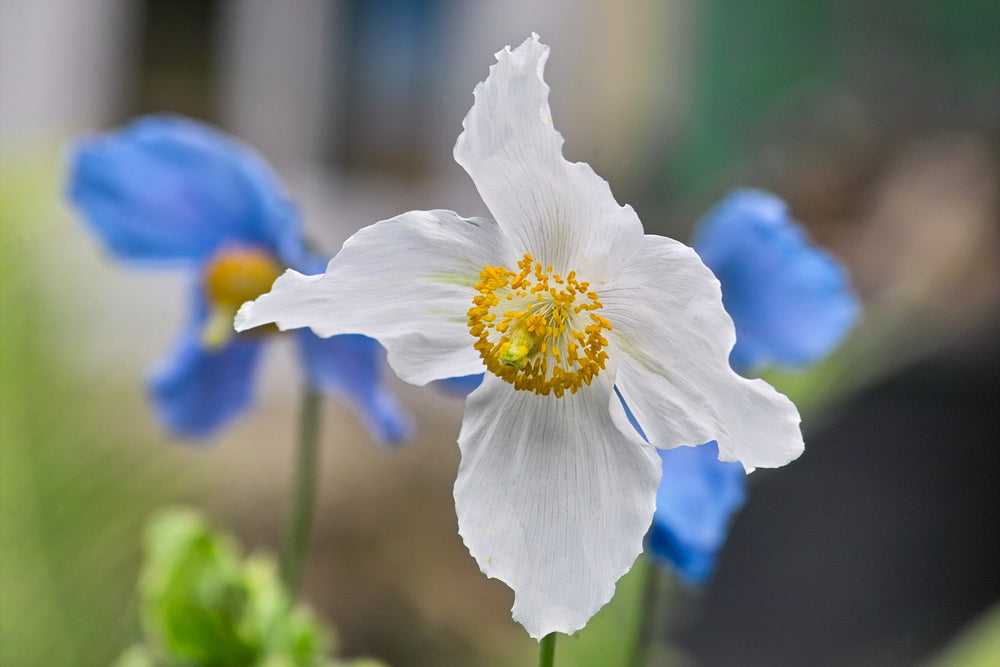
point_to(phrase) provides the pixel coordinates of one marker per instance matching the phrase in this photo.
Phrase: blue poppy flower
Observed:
(791, 304)
(167, 191)
(697, 496)
(790, 301)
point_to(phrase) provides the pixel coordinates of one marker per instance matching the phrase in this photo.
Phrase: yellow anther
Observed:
(239, 274)
(233, 276)
(601, 321)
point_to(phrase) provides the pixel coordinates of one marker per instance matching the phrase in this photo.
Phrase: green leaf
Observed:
(204, 604)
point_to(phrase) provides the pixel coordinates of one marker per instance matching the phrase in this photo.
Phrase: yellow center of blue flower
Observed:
(233, 276)
(538, 330)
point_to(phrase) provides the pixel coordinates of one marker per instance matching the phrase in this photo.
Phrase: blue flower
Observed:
(790, 300)
(697, 496)
(791, 304)
(168, 191)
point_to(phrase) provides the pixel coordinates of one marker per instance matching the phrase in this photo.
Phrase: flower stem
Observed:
(654, 616)
(547, 650)
(303, 492)
(647, 613)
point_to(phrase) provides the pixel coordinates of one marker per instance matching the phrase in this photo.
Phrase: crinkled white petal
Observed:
(552, 498)
(560, 212)
(671, 340)
(407, 282)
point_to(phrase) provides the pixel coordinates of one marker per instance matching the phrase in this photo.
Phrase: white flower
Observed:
(564, 301)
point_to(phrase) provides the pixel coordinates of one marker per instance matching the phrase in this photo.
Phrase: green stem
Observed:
(303, 491)
(547, 650)
(649, 616)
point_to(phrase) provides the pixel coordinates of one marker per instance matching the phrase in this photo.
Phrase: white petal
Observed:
(407, 282)
(670, 340)
(552, 498)
(560, 212)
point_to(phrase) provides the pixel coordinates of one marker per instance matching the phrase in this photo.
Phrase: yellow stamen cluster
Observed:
(234, 275)
(239, 274)
(537, 329)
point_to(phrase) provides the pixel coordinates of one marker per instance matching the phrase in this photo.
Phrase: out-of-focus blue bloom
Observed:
(460, 386)
(791, 304)
(790, 300)
(697, 496)
(168, 191)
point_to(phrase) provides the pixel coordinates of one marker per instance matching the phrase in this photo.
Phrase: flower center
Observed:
(537, 329)
(239, 274)
(233, 276)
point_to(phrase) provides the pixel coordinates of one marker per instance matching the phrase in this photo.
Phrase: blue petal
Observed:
(172, 190)
(698, 495)
(790, 300)
(696, 499)
(460, 386)
(352, 366)
(197, 391)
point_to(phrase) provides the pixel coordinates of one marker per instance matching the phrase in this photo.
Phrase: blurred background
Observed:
(879, 123)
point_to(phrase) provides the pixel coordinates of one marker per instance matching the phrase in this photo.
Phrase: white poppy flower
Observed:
(567, 304)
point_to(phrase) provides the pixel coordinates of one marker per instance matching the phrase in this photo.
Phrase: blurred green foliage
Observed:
(978, 646)
(767, 63)
(75, 488)
(203, 604)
